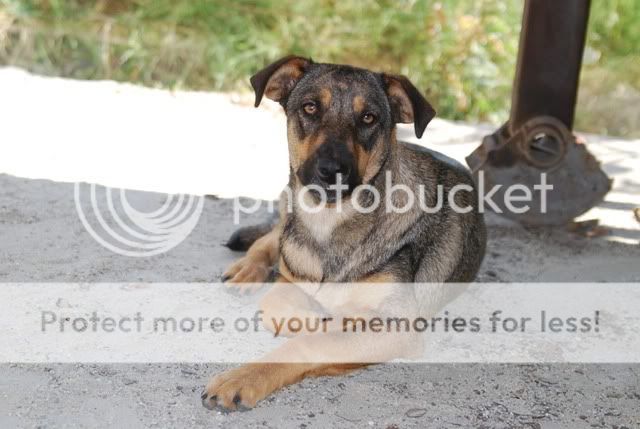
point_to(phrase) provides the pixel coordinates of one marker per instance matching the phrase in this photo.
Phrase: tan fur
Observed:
(355, 298)
(362, 160)
(253, 382)
(397, 94)
(358, 103)
(299, 151)
(303, 259)
(257, 380)
(369, 163)
(325, 97)
(256, 265)
(286, 301)
(279, 81)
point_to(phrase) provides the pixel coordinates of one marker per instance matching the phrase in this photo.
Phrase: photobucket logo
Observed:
(401, 198)
(115, 224)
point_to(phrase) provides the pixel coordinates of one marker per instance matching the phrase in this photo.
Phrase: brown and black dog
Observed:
(341, 124)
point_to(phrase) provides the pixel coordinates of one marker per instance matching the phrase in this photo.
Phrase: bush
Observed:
(462, 53)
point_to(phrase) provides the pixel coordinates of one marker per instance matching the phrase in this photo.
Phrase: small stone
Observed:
(414, 413)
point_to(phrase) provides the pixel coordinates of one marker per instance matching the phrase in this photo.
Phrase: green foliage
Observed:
(462, 53)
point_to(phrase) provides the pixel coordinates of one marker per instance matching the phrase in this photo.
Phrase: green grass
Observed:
(462, 53)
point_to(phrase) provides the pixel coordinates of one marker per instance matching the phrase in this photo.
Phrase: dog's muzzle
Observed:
(331, 172)
(333, 180)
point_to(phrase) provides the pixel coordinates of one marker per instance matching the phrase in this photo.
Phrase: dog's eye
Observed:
(369, 118)
(310, 108)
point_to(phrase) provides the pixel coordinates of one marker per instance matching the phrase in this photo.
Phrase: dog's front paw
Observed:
(247, 274)
(239, 389)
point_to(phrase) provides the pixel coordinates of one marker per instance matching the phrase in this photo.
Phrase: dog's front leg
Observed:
(288, 310)
(333, 353)
(255, 266)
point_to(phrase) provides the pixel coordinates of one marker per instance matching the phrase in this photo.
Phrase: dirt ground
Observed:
(42, 240)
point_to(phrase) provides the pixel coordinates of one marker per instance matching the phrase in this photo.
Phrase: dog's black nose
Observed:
(328, 169)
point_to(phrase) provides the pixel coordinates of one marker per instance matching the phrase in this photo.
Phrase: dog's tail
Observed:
(244, 237)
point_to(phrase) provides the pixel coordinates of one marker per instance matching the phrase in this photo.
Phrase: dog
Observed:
(341, 130)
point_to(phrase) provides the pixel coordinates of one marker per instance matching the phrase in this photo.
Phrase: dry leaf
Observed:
(588, 228)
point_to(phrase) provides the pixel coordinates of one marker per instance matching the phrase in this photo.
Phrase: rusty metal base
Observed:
(542, 151)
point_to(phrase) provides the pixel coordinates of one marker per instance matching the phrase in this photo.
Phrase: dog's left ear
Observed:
(407, 103)
(277, 80)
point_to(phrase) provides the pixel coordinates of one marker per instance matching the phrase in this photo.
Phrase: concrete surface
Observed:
(42, 240)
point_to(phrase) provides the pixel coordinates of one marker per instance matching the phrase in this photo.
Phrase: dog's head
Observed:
(340, 119)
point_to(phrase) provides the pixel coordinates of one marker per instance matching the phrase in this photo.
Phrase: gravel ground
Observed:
(44, 241)
(384, 396)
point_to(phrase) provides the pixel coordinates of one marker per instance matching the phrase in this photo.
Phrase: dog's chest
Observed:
(322, 223)
(314, 249)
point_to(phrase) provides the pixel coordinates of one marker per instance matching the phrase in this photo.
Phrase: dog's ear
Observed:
(407, 103)
(277, 80)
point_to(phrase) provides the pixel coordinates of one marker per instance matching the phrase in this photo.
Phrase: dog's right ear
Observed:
(277, 80)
